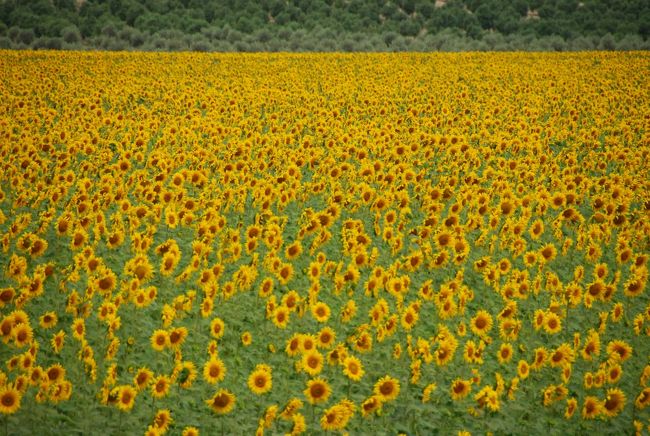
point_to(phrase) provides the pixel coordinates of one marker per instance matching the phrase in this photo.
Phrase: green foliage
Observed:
(267, 22)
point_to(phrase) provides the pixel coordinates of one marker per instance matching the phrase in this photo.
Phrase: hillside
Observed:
(325, 25)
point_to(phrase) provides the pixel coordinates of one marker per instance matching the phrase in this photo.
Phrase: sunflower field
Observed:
(309, 243)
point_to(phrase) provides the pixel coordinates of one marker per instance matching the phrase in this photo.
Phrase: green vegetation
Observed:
(325, 25)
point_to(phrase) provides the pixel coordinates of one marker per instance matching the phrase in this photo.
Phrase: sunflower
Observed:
(536, 229)
(246, 338)
(620, 348)
(57, 341)
(142, 378)
(481, 323)
(190, 431)
(548, 252)
(571, 407)
(185, 374)
(353, 368)
(325, 338)
(320, 311)
(409, 318)
(9, 400)
(643, 399)
(260, 381)
(591, 408)
(22, 334)
(460, 389)
(55, 373)
(177, 337)
(317, 391)
(280, 316)
(293, 405)
(443, 239)
(538, 319)
(162, 420)
(312, 362)
(371, 405)
(160, 340)
(541, 354)
(387, 388)
(562, 356)
(614, 374)
(308, 343)
(293, 251)
(217, 328)
(214, 370)
(285, 274)
(169, 262)
(294, 345)
(291, 300)
(614, 402)
(160, 386)
(523, 369)
(552, 323)
(126, 398)
(505, 353)
(592, 346)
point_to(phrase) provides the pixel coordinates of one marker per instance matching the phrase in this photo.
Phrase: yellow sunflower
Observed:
(353, 368)
(260, 381)
(387, 388)
(9, 400)
(214, 370)
(317, 391)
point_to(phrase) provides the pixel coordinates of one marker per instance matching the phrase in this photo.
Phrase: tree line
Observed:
(325, 25)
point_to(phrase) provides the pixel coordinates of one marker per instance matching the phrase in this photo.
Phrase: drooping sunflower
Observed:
(591, 408)
(143, 378)
(57, 341)
(371, 405)
(222, 402)
(620, 348)
(184, 373)
(571, 407)
(592, 345)
(541, 355)
(460, 389)
(614, 402)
